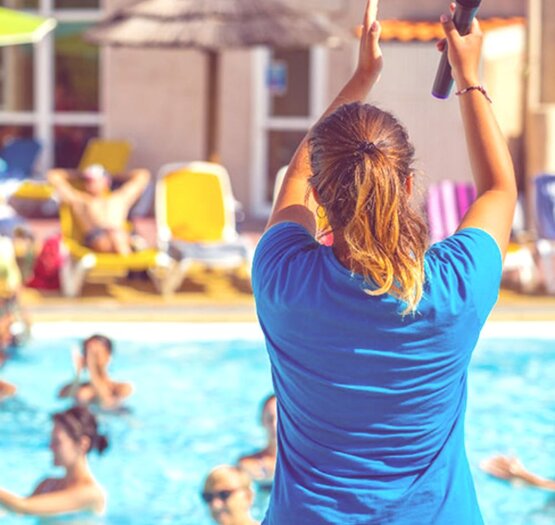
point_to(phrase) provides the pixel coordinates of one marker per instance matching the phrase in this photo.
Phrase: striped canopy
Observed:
(17, 27)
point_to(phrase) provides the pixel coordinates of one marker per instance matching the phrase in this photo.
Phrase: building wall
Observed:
(540, 115)
(548, 52)
(156, 98)
(431, 9)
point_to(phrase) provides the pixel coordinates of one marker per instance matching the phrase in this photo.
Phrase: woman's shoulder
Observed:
(93, 492)
(467, 248)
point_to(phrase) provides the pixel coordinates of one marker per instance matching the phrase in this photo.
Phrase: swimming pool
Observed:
(196, 405)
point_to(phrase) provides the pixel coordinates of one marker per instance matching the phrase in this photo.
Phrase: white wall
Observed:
(434, 125)
(156, 98)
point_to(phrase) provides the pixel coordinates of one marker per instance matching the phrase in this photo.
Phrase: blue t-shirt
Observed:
(371, 403)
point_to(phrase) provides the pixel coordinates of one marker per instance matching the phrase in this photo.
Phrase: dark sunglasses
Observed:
(222, 495)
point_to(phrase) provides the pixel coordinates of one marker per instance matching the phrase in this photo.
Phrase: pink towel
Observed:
(449, 207)
(435, 220)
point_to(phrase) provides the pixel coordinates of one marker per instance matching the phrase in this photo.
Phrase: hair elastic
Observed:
(366, 146)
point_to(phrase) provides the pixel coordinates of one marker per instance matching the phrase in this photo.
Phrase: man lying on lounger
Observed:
(101, 214)
(100, 389)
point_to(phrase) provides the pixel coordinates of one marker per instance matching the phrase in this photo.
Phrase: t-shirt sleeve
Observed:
(277, 251)
(475, 261)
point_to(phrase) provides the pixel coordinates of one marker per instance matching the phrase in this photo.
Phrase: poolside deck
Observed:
(205, 296)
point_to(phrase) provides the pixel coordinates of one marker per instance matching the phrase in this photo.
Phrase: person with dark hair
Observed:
(74, 435)
(260, 465)
(228, 493)
(370, 339)
(95, 357)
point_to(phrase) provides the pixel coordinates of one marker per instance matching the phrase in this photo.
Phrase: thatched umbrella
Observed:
(212, 26)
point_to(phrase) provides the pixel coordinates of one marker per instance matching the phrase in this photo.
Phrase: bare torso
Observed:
(107, 212)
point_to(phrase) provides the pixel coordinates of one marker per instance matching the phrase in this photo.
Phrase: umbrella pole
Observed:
(212, 111)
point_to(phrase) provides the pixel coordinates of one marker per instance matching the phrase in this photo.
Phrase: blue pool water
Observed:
(196, 405)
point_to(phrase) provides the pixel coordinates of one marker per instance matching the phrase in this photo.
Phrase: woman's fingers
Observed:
(370, 14)
(441, 44)
(451, 33)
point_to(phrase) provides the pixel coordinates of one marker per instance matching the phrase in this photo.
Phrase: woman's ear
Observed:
(315, 196)
(85, 444)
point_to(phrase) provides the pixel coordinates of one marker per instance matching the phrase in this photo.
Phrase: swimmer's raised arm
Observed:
(291, 202)
(60, 502)
(71, 389)
(99, 382)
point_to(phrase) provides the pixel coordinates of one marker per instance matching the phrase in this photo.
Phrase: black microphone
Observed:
(465, 11)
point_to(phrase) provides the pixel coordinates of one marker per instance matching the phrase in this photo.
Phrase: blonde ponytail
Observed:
(361, 159)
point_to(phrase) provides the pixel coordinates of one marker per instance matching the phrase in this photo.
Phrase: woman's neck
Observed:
(343, 254)
(79, 471)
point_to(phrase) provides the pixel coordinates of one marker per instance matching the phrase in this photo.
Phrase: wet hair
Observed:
(79, 422)
(106, 341)
(361, 158)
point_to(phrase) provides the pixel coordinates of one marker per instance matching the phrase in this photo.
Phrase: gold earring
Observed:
(320, 212)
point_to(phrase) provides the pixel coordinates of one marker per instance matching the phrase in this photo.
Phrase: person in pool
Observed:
(260, 466)
(101, 389)
(74, 435)
(512, 469)
(6, 390)
(228, 493)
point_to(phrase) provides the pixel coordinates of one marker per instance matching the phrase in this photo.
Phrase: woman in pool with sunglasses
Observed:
(74, 435)
(370, 339)
(228, 493)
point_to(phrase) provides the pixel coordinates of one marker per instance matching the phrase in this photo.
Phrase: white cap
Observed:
(94, 172)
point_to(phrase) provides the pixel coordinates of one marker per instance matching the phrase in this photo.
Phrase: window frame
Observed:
(44, 116)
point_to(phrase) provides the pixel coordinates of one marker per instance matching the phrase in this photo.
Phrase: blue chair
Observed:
(19, 157)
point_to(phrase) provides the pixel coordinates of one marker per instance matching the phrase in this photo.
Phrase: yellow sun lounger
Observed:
(195, 219)
(80, 261)
(112, 155)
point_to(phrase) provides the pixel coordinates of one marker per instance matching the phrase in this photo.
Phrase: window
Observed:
(70, 144)
(17, 78)
(20, 4)
(75, 70)
(290, 95)
(281, 146)
(292, 100)
(51, 90)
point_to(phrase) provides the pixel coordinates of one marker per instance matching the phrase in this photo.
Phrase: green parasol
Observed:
(17, 27)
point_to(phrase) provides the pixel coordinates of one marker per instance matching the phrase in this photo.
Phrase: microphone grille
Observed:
(469, 3)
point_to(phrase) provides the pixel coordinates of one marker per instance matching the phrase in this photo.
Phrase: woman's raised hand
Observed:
(463, 51)
(370, 60)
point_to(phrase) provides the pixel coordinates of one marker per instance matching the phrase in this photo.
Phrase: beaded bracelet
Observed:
(481, 89)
